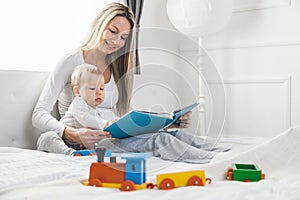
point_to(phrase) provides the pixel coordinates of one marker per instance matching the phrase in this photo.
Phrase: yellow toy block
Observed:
(180, 179)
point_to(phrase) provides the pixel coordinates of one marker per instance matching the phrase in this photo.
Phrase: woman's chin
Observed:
(110, 51)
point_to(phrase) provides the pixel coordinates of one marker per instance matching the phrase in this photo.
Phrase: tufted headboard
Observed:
(20, 91)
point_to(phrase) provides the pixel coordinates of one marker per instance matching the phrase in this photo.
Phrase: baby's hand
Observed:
(111, 122)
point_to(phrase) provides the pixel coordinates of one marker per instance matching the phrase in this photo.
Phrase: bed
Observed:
(30, 174)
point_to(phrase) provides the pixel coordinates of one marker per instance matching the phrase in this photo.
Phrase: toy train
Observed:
(131, 175)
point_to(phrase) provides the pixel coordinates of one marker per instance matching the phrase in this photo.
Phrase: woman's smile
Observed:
(110, 46)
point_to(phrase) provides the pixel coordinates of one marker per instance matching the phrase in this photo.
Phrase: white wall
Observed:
(257, 55)
(36, 34)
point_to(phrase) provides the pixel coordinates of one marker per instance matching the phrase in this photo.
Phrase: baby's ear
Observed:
(76, 90)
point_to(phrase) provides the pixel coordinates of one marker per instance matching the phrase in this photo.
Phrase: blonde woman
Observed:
(109, 47)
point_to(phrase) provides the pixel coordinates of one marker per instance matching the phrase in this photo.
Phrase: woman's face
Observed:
(115, 35)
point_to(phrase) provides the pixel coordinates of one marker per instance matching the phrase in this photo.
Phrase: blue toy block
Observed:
(88, 152)
(136, 167)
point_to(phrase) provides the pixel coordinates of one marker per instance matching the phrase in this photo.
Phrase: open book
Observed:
(138, 122)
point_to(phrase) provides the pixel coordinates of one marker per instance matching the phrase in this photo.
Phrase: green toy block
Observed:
(246, 172)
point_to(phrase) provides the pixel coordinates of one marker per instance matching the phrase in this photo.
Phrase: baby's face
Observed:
(92, 89)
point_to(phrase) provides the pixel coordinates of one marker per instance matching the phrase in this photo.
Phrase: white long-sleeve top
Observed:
(82, 115)
(58, 88)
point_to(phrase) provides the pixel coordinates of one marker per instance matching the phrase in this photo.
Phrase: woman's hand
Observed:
(183, 122)
(86, 137)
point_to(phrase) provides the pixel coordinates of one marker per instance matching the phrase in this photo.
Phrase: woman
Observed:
(109, 46)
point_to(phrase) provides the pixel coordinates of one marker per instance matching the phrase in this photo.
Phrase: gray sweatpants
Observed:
(174, 146)
(52, 143)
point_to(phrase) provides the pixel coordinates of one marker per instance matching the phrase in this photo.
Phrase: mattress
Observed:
(30, 174)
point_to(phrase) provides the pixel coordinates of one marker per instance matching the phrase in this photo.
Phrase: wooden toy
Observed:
(180, 179)
(131, 175)
(126, 176)
(245, 172)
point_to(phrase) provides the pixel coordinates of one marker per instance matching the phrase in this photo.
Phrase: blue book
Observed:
(138, 122)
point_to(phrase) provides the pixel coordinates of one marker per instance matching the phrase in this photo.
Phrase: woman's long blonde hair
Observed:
(122, 62)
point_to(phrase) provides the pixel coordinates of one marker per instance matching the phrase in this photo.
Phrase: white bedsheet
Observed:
(28, 174)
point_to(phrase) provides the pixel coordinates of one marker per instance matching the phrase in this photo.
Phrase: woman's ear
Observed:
(76, 90)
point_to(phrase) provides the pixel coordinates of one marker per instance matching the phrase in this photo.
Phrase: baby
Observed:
(88, 87)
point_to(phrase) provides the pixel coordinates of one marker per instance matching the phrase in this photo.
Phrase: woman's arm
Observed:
(41, 117)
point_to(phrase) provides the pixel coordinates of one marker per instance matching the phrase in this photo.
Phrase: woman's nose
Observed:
(116, 41)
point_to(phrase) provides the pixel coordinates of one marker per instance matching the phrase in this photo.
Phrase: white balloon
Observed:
(199, 17)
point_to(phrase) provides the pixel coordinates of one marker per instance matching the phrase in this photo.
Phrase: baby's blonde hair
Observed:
(80, 72)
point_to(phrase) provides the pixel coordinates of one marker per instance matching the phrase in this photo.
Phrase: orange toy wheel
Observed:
(167, 184)
(208, 180)
(127, 186)
(95, 182)
(229, 174)
(262, 176)
(195, 181)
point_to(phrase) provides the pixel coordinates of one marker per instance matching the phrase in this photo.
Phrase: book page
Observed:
(161, 114)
